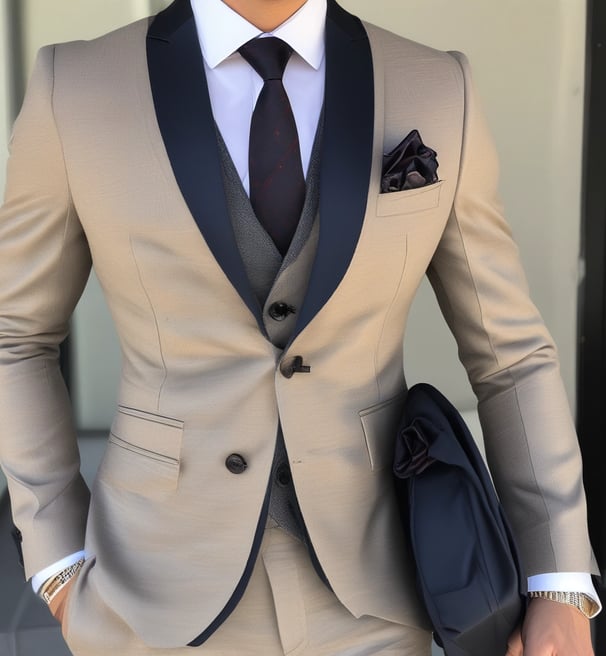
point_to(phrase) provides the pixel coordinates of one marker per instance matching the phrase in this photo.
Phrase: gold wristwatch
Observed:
(51, 587)
(582, 602)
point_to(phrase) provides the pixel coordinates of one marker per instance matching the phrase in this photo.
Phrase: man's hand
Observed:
(59, 602)
(551, 629)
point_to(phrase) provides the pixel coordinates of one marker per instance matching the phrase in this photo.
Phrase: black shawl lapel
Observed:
(184, 114)
(183, 110)
(346, 155)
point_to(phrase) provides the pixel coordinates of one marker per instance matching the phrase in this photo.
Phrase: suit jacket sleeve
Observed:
(45, 264)
(512, 363)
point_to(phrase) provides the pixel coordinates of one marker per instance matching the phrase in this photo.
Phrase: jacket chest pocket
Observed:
(410, 200)
(143, 453)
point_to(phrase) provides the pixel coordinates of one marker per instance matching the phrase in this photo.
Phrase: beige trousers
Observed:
(286, 610)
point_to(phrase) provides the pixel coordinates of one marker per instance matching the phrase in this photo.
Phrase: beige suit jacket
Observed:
(91, 178)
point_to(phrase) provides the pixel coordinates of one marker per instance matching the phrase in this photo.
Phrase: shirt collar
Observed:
(222, 31)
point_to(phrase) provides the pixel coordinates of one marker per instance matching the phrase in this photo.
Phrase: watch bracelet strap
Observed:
(579, 600)
(56, 583)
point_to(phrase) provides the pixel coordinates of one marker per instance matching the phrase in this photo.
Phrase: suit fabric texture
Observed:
(115, 161)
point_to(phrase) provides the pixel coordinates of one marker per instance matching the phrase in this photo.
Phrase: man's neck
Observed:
(267, 15)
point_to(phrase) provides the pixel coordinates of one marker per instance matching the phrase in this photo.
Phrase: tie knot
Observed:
(268, 56)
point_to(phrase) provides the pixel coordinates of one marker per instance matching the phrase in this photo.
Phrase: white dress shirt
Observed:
(234, 87)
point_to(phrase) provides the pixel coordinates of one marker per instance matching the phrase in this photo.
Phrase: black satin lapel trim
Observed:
(346, 155)
(183, 110)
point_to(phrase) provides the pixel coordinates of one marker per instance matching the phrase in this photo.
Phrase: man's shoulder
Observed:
(409, 68)
(117, 41)
(117, 57)
(396, 48)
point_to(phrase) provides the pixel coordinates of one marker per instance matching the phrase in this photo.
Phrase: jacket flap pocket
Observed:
(152, 434)
(410, 200)
(380, 423)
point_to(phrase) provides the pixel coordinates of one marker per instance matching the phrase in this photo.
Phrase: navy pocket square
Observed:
(411, 164)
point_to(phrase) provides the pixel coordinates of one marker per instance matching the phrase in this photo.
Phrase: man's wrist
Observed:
(565, 582)
(41, 577)
(579, 600)
(51, 588)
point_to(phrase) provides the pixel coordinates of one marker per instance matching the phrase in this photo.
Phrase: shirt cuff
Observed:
(39, 578)
(564, 582)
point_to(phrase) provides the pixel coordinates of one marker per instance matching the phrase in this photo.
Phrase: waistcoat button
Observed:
(279, 311)
(283, 476)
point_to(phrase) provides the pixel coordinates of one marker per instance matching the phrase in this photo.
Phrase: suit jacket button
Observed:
(291, 366)
(279, 311)
(287, 368)
(235, 463)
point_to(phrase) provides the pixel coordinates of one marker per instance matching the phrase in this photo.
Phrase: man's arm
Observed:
(45, 264)
(513, 367)
(512, 364)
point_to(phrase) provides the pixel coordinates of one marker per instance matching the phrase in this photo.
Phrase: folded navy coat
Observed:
(468, 568)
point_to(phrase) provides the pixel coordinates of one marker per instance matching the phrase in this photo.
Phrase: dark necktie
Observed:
(277, 183)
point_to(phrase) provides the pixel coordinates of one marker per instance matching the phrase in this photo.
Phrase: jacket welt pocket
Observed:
(143, 453)
(379, 423)
(410, 200)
